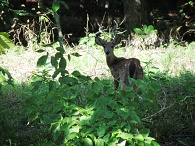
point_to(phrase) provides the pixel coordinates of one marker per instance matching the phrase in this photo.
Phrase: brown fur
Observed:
(121, 68)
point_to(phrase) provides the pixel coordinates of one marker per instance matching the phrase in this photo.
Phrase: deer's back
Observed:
(125, 68)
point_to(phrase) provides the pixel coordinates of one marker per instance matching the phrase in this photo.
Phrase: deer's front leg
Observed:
(116, 83)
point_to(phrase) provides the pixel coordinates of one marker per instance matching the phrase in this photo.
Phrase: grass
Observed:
(172, 66)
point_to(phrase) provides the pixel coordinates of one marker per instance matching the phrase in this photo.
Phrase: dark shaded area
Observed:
(173, 19)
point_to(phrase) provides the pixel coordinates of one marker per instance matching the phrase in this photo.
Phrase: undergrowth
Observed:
(80, 110)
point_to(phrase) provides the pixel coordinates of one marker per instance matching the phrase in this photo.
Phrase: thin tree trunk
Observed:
(133, 13)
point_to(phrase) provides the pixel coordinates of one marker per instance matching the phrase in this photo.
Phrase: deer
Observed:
(121, 68)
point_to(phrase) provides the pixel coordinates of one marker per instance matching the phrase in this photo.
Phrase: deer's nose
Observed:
(107, 52)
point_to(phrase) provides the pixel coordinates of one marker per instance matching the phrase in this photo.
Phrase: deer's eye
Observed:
(112, 46)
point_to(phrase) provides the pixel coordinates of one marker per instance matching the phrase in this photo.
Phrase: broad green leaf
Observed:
(149, 140)
(139, 137)
(55, 6)
(134, 117)
(126, 136)
(75, 54)
(76, 73)
(106, 138)
(88, 142)
(68, 80)
(69, 57)
(58, 55)
(99, 142)
(40, 51)
(145, 27)
(138, 31)
(62, 63)
(54, 62)
(123, 113)
(2, 78)
(149, 29)
(71, 135)
(60, 49)
(109, 114)
(42, 60)
(5, 42)
(57, 71)
(101, 130)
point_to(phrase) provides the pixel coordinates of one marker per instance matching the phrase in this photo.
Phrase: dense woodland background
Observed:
(173, 18)
(55, 86)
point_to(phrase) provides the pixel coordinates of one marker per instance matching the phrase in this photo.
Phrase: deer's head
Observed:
(108, 46)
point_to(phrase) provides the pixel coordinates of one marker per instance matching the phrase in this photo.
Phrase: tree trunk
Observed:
(134, 14)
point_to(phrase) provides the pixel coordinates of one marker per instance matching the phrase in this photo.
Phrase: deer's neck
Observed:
(110, 59)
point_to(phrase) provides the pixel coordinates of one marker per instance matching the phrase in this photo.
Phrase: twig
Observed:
(161, 110)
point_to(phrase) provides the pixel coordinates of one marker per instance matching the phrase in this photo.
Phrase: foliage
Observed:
(145, 37)
(145, 30)
(5, 42)
(83, 111)
(5, 77)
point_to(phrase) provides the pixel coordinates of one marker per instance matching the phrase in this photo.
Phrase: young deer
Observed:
(121, 68)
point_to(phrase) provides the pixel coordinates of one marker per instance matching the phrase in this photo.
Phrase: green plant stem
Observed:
(60, 36)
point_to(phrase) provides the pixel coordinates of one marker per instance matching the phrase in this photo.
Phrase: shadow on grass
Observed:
(91, 109)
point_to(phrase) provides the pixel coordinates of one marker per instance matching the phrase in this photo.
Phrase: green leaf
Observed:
(99, 142)
(55, 6)
(139, 137)
(68, 80)
(60, 49)
(123, 113)
(149, 140)
(62, 63)
(76, 73)
(5, 42)
(2, 78)
(69, 57)
(88, 142)
(149, 29)
(40, 51)
(138, 31)
(124, 135)
(42, 60)
(54, 62)
(109, 114)
(58, 55)
(71, 135)
(75, 54)
(101, 130)
(106, 138)
(145, 27)
(57, 71)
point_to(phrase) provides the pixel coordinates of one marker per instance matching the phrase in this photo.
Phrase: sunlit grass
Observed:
(172, 59)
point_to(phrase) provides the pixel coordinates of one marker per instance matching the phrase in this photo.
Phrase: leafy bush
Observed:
(86, 112)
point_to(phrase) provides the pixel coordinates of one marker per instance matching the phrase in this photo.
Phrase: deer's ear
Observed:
(99, 41)
(116, 40)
